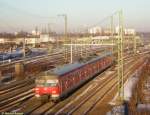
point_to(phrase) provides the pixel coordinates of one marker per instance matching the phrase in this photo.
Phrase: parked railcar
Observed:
(59, 82)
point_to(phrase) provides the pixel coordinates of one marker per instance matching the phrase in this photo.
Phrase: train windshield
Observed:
(51, 83)
(47, 83)
(40, 83)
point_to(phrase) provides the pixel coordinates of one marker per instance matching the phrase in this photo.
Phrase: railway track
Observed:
(11, 95)
(29, 59)
(87, 106)
(22, 94)
(50, 108)
(8, 87)
(15, 85)
(15, 101)
(38, 107)
(9, 67)
(84, 104)
(40, 57)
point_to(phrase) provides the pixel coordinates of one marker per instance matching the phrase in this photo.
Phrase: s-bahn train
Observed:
(6, 56)
(57, 83)
(19, 54)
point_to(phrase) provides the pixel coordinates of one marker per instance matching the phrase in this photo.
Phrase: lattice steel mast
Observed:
(120, 58)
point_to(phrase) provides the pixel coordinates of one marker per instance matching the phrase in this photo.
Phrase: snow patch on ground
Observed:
(128, 88)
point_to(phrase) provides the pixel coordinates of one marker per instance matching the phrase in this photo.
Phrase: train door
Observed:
(88, 70)
(80, 74)
(65, 82)
(83, 72)
(105, 62)
(76, 77)
(91, 69)
(101, 64)
(96, 66)
(60, 86)
(63, 86)
(70, 79)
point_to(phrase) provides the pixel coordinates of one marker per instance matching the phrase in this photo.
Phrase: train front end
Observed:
(48, 87)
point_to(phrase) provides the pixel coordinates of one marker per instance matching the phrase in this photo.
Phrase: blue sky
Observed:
(26, 14)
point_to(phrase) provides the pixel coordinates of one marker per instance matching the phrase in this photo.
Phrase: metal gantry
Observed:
(112, 31)
(66, 36)
(120, 49)
(24, 47)
(66, 25)
(120, 58)
(135, 45)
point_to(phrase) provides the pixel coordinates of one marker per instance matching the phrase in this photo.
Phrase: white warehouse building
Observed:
(126, 31)
(95, 30)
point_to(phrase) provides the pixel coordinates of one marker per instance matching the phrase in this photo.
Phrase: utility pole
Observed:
(71, 55)
(24, 47)
(49, 29)
(112, 32)
(135, 45)
(66, 26)
(65, 34)
(120, 59)
(36, 32)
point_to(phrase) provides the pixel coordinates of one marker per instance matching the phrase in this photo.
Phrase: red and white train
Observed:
(59, 82)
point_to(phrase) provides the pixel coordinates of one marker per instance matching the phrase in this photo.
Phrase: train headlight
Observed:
(36, 89)
(37, 95)
(45, 89)
(54, 91)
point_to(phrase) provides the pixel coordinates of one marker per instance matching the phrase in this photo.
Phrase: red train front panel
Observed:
(50, 88)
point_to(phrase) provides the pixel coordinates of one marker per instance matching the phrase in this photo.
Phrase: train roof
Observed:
(59, 71)
(66, 68)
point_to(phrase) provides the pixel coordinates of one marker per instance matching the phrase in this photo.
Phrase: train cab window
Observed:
(40, 83)
(51, 83)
